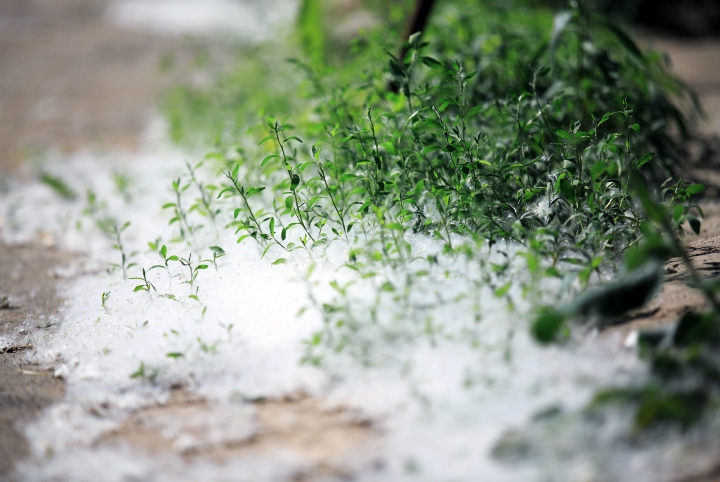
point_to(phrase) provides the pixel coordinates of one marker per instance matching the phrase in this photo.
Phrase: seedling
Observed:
(192, 270)
(293, 175)
(104, 299)
(123, 183)
(115, 233)
(145, 285)
(163, 252)
(203, 205)
(94, 206)
(218, 253)
(207, 348)
(180, 216)
(145, 372)
(251, 225)
(228, 329)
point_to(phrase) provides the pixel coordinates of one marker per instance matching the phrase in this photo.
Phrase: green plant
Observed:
(59, 187)
(203, 204)
(145, 372)
(193, 270)
(163, 252)
(111, 229)
(512, 131)
(218, 253)
(104, 299)
(180, 215)
(145, 285)
(123, 183)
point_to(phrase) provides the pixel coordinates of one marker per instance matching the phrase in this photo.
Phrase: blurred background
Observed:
(78, 74)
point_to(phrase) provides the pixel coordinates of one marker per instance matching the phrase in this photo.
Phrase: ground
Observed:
(73, 81)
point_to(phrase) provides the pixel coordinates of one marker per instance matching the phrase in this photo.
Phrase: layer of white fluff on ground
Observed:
(244, 20)
(441, 394)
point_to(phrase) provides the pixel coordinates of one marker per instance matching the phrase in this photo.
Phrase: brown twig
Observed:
(417, 24)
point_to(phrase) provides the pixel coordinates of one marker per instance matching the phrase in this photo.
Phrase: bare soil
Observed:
(72, 80)
(28, 308)
(327, 440)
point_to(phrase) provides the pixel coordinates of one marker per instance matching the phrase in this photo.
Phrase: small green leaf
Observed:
(678, 211)
(255, 190)
(548, 327)
(563, 134)
(262, 142)
(58, 186)
(268, 159)
(566, 189)
(279, 261)
(694, 224)
(140, 371)
(606, 117)
(644, 160)
(597, 169)
(431, 62)
(474, 110)
(502, 291)
(389, 147)
(694, 189)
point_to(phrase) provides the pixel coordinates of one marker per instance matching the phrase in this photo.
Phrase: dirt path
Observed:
(72, 80)
(28, 307)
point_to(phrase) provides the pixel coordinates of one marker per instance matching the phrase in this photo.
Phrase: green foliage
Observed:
(510, 125)
(549, 326)
(311, 30)
(657, 406)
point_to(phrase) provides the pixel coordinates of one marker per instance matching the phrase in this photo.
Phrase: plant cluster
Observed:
(501, 131)
(530, 138)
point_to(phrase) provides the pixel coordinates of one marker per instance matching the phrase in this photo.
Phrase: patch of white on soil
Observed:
(251, 20)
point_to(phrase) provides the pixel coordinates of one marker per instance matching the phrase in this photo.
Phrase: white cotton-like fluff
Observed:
(245, 20)
(443, 382)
